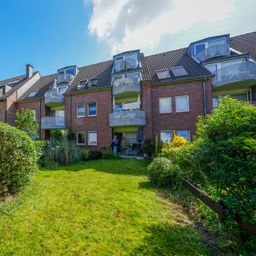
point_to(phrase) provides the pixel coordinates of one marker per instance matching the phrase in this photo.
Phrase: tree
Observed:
(26, 122)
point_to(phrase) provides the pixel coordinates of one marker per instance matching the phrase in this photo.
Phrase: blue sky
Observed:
(50, 34)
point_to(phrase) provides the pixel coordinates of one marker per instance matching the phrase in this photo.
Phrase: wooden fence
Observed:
(218, 207)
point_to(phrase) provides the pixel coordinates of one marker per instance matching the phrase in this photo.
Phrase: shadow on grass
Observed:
(166, 239)
(115, 166)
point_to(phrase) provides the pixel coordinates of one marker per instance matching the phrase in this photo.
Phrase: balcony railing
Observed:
(127, 117)
(128, 84)
(234, 73)
(54, 96)
(213, 51)
(53, 122)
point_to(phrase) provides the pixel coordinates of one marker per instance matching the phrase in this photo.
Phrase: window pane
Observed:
(92, 109)
(80, 110)
(166, 136)
(199, 48)
(183, 133)
(92, 138)
(81, 138)
(215, 102)
(165, 105)
(182, 103)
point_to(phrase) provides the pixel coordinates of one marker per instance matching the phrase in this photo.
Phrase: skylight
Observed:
(32, 94)
(82, 84)
(179, 71)
(163, 74)
(93, 82)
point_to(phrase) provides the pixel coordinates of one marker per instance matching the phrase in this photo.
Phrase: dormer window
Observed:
(82, 84)
(67, 74)
(163, 74)
(93, 83)
(126, 61)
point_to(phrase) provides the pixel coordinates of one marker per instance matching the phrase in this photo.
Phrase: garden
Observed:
(56, 199)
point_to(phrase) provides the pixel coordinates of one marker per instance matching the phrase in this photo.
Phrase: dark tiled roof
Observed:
(101, 71)
(14, 86)
(170, 59)
(245, 43)
(42, 85)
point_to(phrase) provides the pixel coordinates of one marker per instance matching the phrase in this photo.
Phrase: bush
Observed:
(61, 152)
(107, 153)
(94, 155)
(224, 151)
(17, 159)
(85, 153)
(56, 134)
(170, 149)
(40, 148)
(162, 172)
(148, 148)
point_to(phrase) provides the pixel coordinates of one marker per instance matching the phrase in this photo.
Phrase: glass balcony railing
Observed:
(54, 95)
(135, 117)
(213, 51)
(234, 73)
(53, 122)
(128, 84)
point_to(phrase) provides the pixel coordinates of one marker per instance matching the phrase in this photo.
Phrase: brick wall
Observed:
(98, 123)
(2, 110)
(155, 122)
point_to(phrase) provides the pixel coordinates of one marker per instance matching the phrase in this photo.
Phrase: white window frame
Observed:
(88, 109)
(180, 96)
(165, 131)
(81, 144)
(90, 132)
(170, 101)
(77, 114)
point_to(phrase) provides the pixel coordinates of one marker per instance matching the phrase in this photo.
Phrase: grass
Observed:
(103, 207)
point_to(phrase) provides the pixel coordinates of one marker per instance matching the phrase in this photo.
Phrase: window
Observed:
(182, 103)
(131, 60)
(179, 71)
(165, 105)
(163, 74)
(166, 136)
(92, 109)
(80, 110)
(32, 94)
(215, 102)
(82, 84)
(93, 82)
(199, 48)
(92, 138)
(119, 64)
(183, 133)
(80, 138)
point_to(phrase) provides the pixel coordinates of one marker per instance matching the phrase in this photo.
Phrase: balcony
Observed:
(54, 96)
(240, 74)
(53, 122)
(126, 86)
(134, 117)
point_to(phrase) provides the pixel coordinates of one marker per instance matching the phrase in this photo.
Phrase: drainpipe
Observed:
(40, 130)
(70, 113)
(205, 96)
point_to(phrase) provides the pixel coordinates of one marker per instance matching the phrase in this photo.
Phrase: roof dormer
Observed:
(66, 74)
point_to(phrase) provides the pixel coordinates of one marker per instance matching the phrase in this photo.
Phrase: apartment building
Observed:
(137, 97)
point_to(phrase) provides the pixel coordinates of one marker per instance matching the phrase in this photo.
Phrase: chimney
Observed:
(29, 71)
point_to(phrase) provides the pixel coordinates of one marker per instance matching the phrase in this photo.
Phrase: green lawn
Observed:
(103, 207)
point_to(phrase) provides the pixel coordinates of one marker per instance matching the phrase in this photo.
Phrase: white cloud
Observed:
(140, 24)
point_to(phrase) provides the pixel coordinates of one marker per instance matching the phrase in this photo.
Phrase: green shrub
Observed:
(40, 148)
(26, 122)
(85, 153)
(56, 134)
(225, 153)
(107, 153)
(148, 147)
(94, 155)
(17, 159)
(71, 135)
(162, 172)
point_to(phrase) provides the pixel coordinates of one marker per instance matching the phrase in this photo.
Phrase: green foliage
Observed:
(26, 122)
(162, 172)
(225, 153)
(71, 135)
(158, 144)
(107, 153)
(94, 155)
(40, 148)
(85, 153)
(56, 134)
(17, 159)
(60, 151)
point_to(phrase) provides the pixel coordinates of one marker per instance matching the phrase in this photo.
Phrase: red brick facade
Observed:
(98, 123)
(155, 122)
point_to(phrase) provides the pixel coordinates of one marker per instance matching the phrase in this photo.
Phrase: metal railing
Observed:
(52, 122)
(234, 73)
(127, 117)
